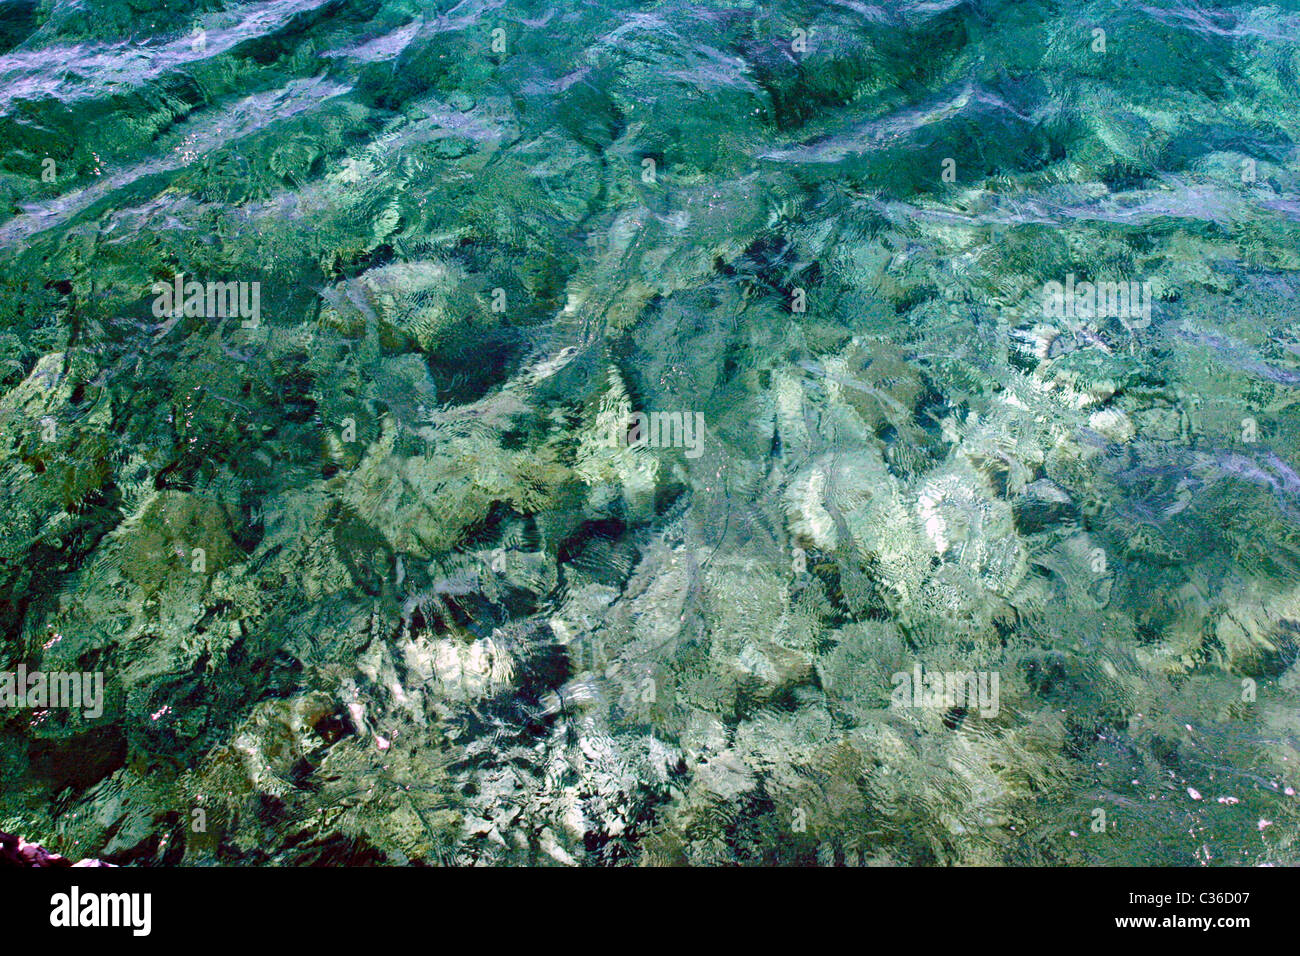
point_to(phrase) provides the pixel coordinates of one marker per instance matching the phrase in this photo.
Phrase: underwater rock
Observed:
(15, 851)
(423, 504)
(839, 499)
(879, 383)
(1113, 425)
(1259, 633)
(971, 531)
(606, 455)
(1044, 504)
(56, 456)
(770, 671)
(417, 304)
(170, 533)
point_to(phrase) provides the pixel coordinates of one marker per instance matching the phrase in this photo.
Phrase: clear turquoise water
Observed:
(377, 574)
